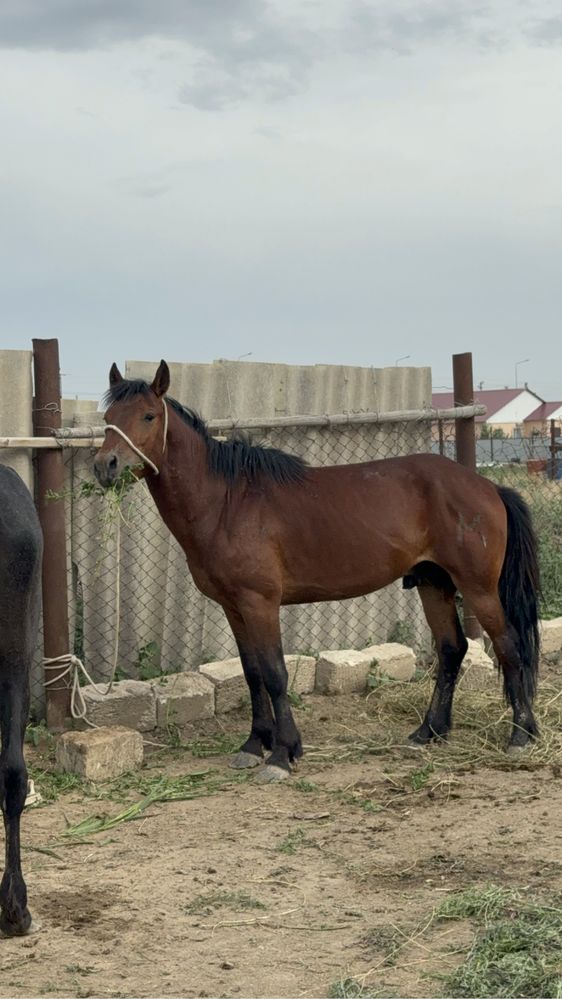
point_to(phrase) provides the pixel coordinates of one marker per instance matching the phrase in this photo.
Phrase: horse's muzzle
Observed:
(106, 469)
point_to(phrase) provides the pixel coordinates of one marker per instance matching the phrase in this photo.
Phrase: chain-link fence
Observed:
(135, 611)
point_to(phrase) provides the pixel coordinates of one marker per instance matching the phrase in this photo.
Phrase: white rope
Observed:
(137, 450)
(74, 667)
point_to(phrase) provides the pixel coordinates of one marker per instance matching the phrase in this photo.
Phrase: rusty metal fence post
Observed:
(555, 447)
(47, 413)
(465, 436)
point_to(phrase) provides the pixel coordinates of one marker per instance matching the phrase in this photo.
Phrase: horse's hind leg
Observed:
(517, 685)
(250, 753)
(15, 918)
(438, 599)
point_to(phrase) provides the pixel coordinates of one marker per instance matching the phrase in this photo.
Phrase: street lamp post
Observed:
(517, 363)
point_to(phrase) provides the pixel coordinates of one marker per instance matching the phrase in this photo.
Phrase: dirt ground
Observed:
(283, 890)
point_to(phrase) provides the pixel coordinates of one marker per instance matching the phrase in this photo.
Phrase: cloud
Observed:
(242, 47)
(214, 85)
(270, 30)
(546, 32)
(68, 25)
(150, 185)
(228, 52)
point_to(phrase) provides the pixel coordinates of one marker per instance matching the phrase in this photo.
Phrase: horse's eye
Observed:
(148, 417)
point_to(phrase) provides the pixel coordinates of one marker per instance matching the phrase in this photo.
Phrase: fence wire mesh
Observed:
(135, 609)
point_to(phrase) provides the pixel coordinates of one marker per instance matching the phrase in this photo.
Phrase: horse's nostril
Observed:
(112, 463)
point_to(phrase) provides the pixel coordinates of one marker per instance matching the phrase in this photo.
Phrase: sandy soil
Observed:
(280, 890)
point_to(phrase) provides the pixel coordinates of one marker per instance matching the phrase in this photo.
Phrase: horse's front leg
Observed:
(255, 624)
(262, 733)
(15, 918)
(287, 744)
(261, 736)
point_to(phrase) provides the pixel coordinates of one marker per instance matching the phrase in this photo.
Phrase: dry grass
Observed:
(481, 729)
(482, 725)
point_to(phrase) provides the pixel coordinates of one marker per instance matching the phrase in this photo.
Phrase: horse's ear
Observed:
(115, 376)
(161, 382)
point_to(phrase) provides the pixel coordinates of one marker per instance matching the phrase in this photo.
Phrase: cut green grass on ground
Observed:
(516, 950)
(239, 901)
(291, 843)
(156, 790)
(52, 784)
(348, 988)
(216, 745)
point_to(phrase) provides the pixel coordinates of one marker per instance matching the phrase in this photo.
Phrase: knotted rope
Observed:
(74, 667)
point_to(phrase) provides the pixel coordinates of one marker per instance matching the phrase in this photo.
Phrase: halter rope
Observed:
(137, 450)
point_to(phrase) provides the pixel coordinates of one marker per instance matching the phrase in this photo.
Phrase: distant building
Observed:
(506, 409)
(538, 422)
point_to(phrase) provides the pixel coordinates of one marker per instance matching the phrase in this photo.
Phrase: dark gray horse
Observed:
(21, 547)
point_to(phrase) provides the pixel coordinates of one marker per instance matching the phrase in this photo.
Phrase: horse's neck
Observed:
(189, 498)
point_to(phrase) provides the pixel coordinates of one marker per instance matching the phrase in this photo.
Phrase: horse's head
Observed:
(137, 421)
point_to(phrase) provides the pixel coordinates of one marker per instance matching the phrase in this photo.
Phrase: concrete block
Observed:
(551, 636)
(231, 689)
(182, 698)
(393, 659)
(130, 703)
(477, 671)
(302, 673)
(99, 754)
(342, 671)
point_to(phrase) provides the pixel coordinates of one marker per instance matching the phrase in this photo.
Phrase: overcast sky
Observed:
(337, 181)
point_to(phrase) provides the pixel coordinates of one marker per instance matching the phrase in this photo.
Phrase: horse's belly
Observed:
(349, 578)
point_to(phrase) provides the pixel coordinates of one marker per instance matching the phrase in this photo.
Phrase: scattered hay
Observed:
(216, 745)
(482, 728)
(349, 988)
(518, 951)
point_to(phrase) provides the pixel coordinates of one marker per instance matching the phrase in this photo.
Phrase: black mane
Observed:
(233, 458)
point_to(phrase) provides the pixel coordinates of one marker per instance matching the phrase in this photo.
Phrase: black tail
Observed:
(520, 585)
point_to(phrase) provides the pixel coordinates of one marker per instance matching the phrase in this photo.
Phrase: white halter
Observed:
(137, 450)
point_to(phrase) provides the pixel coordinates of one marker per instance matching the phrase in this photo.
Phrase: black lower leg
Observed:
(520, 698)
(262, 732)
(15, 918)
(14, 707)
(287, 746)
(440, 610)
(437, 721)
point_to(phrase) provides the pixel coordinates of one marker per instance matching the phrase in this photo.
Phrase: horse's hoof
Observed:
(272, 774)
(245, 761)
(34, 927)
(419, 739)
(514, 750)
(10, 930)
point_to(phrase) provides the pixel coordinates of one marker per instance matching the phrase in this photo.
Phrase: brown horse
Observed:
(259, 529)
